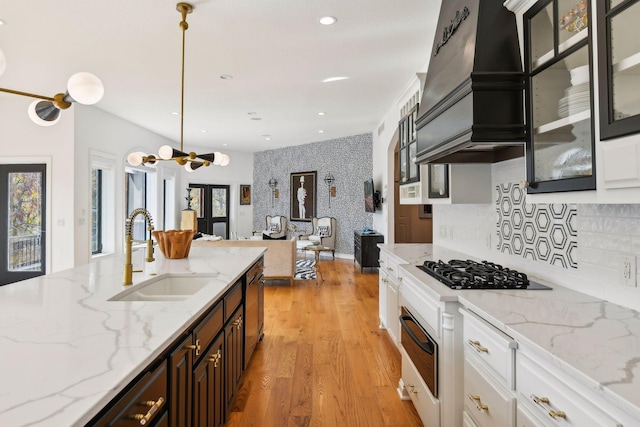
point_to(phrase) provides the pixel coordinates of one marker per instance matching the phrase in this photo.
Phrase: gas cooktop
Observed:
(461, 274)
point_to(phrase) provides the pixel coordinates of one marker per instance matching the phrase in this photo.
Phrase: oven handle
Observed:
(426, 346)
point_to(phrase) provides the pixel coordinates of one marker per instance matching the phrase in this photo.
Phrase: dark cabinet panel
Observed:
(208, 390)
(180, 367)
(365, 249)
(234, 356)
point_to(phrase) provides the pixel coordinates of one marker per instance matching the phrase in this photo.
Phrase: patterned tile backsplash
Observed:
(538, 232)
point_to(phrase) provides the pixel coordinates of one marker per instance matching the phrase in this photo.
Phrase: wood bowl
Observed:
(174, 244)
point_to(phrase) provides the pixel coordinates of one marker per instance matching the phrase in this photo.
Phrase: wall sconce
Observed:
(329, 180)
(84, 88)
(273, 183)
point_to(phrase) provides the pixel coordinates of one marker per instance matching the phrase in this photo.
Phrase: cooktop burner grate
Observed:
(467, 274)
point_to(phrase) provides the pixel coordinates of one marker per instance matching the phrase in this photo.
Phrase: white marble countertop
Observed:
(594, 341)
(66, 351)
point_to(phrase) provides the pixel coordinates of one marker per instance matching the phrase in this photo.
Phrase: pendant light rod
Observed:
(184, 9)
(30, 95)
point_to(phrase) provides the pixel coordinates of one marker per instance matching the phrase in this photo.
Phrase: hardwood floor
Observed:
(323, 360)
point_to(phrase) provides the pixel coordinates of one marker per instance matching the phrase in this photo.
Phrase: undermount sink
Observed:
(165, 288)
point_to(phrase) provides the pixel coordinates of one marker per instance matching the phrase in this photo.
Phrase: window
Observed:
(102, 206)
(141, 192)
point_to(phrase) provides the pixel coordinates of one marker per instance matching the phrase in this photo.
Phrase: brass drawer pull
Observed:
(413, 388)
(215, 358)
(478, 401)
(552, 412)
(479, 348)
(195, 347)
(153, 408)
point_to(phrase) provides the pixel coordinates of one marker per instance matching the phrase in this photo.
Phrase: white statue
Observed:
(302, 194)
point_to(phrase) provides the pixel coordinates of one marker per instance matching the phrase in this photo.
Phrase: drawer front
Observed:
(146, 400)
(429, 310)
(390, 266)
(524, 418)
(207, 329)
(427, 406)
(488, 404)
(256, 271)
(553, 400)
(232, 299)
(490, 345)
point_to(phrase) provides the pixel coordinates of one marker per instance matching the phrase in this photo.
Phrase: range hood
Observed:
(472, 104)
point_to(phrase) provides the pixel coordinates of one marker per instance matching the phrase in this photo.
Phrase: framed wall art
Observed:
(303, 196)
(245, 194)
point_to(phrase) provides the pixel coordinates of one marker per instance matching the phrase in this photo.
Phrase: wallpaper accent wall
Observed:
(349, 160)
(538, 232)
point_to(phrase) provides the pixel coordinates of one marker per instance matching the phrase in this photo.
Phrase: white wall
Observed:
(238, 171)
(23, 141)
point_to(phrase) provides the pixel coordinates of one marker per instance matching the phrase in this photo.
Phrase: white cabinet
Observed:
(462, 183)
(489, 399)
(555, 397)
(389, 303)
(427, 406)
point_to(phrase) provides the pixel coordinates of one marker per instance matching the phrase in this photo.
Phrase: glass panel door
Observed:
(212, 208)
(22, 211)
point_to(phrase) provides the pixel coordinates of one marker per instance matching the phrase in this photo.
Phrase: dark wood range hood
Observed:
(472, 105)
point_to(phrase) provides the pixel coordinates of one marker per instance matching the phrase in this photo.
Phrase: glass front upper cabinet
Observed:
(409, 171)
(619, 67)
(560, 144)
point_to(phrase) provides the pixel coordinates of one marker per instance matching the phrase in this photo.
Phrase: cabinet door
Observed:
(619, 67)
(234, 333)
(560, 143)
(393, 322)
(208, 390)
(180, 367)
(251, 318)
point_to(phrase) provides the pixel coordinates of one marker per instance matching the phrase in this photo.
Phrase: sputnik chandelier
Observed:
(191, 161)
(84, 88)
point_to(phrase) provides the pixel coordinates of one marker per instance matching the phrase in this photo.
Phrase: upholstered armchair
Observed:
(323, 232)
(276, 228)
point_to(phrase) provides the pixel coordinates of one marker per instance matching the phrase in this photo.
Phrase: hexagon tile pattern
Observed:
(538, 232)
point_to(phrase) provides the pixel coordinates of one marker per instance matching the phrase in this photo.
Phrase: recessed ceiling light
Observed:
(226, 77)
(334, 79)
(322, 113)
(2, 22)
(204, 131)
(320, 131)
(327, 20)
(267, 137)
(224, 145)
(175, 113)
(256, 118)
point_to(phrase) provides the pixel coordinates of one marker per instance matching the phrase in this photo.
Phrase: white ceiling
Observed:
(276, 51)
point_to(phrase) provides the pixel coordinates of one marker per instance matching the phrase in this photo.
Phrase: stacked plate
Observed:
(576, 97)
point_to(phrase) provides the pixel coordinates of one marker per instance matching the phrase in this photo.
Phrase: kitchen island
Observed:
(67, 350)
(589, 346)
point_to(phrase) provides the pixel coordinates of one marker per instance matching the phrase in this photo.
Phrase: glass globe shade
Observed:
(134, 159)
(33, 115)
(225, 160)
(3, 62)
(217, 158)
(165, 152)
(85, 88)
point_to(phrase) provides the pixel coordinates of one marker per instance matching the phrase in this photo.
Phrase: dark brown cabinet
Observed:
(143, 403)
(234, 356)
(365, 249)
(196, 379)
(208, 387)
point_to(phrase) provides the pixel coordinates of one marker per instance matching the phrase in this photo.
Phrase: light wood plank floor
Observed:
(323, 360)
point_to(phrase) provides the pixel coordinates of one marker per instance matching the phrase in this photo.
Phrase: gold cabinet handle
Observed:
(557, 414)
(215, 358)
(478, 401)
(479, 348)
(413, 388)
(380, 261)
(195, 347)
(238, 322)
(552, 412)
(154, 407)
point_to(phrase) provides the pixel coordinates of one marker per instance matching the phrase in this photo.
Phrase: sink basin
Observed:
(164, 288)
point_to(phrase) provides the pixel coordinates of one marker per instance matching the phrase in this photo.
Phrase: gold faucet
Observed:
(128, 239)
